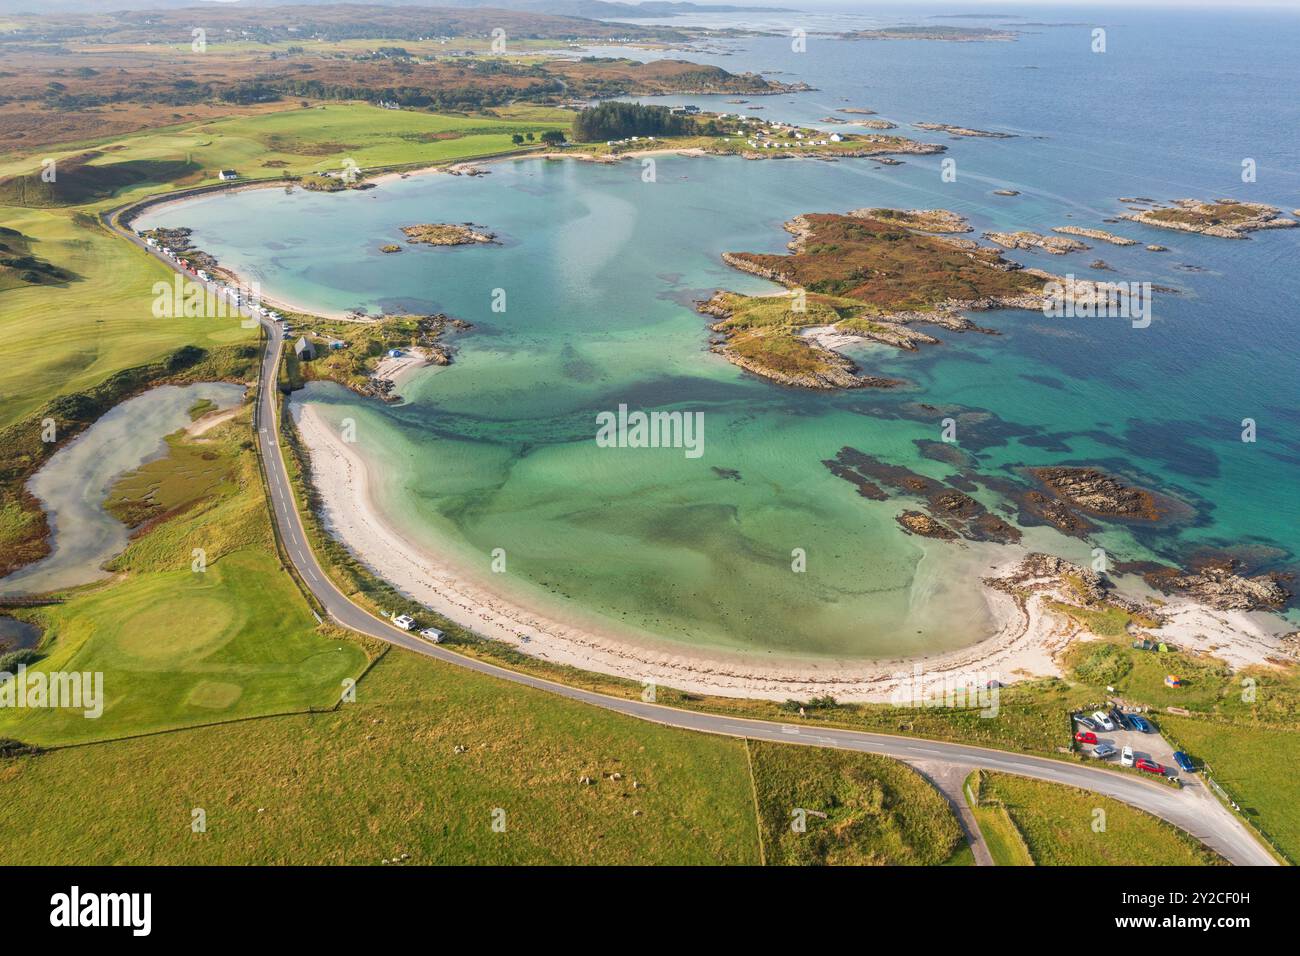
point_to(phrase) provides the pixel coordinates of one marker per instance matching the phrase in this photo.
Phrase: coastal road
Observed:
(1192, 808)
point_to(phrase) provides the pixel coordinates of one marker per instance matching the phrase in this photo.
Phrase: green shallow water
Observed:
(600, 269)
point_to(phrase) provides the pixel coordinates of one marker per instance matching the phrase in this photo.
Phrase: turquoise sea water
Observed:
(600, 270)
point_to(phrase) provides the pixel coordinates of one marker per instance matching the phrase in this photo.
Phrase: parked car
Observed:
(1140, 723)
(1085, 737)
(1150, 766)
(1103, 721)
(404, 621)
(1126, 757)
(1184, 762)
(1103, 749)
(1086, 722)
(1122, 720)
(432, 634)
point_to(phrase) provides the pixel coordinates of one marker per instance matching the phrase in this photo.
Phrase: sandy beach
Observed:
(1026, 640)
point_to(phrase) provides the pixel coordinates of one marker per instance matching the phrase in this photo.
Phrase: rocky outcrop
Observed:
(962, 130)
(447, 234)
(1096, 492)
(1223, 588)
(1101, 235)
(917, 522)
(1033, 240)
(918, 220)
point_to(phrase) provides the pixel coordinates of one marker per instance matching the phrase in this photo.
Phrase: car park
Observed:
(1126, 757)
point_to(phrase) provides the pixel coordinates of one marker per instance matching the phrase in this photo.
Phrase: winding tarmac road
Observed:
(1192, 808)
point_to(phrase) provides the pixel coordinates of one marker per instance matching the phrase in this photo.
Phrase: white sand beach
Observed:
(1026, 640)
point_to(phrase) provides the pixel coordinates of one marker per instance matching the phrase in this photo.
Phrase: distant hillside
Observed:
(77, 181)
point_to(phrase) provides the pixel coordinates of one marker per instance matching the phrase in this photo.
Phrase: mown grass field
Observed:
(1063, 826)
(60, 339)
(179, 647)
(311, 139)
(877, 811)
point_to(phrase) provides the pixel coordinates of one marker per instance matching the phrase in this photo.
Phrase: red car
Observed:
(1150, 766)
(1085, 737)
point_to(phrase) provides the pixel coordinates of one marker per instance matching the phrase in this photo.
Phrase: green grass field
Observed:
(1001, 836)
(1063, 826)
(60, 339)
(877, 811)
(1256, 765)
(382, 777)
(179, 647)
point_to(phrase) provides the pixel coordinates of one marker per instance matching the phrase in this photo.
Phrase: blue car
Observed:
(1184, 762)
(1137, 722)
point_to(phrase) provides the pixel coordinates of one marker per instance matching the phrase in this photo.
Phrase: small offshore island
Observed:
(1225, 218)
(868, 274)
(447, 234)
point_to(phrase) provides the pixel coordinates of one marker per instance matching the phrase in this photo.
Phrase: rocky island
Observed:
(1055, 245)
(870, 274)
(1100, 235)
(962, 130)
(447, 234)
(1225, 218)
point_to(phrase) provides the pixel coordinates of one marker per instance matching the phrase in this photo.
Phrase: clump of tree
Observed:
(618, 120)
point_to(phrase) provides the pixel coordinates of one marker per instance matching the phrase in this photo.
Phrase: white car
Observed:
(404, 621)
(1126, 757)
(1103, 720)
(1103, 749)
(432, 634)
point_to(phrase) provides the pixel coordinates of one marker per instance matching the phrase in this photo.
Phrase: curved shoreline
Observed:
(1024, 643)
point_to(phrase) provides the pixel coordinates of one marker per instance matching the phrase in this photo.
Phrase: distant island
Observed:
(962, 130)
(947, 34)
(1225, 218)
